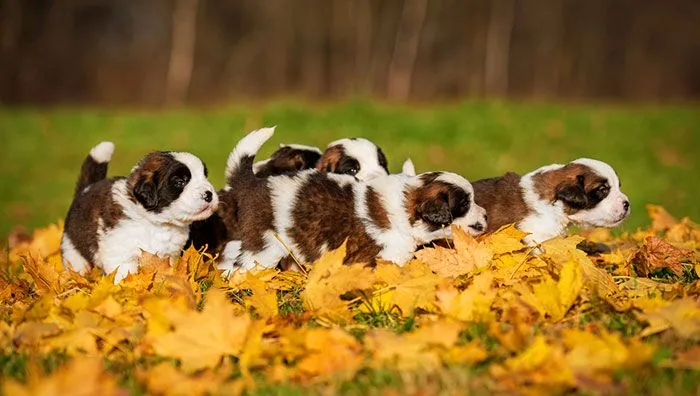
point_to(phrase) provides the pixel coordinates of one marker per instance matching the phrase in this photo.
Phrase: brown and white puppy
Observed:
(288, 158)
(310, 212)
(111, 221)
(357, 157)
(547, 200)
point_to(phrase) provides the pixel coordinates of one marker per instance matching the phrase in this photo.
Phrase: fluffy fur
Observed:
(111, 221)
(547, 200)
(308, 213)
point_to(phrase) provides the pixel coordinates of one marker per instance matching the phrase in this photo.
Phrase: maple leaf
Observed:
(46, 277)
(681, 315)
(44, 243)
(200, 346)
(555, 298)
(472, 304)
(81, 377)
(539, 363)
(263, 299)
(330, 352)
(656, 254)
(329, 278)
(165, 379)
(409, 287)
(468, 254)
(661, 220)
(506, 239)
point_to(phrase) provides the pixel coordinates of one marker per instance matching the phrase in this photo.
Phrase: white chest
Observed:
(126, 241)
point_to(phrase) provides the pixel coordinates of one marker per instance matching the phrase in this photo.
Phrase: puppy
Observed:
(547, 200)
(112, 220)
(304, 215)
(357, 157)
(288, 158)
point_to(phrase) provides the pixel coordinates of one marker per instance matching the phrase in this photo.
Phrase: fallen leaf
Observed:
(199, 346)
(81, 377)
(656, 254)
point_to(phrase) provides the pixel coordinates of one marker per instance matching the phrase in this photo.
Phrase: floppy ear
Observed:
(573, 195)
(327, 164)
(436, 210)
(146, 193)
(298, 162)
(408, 168)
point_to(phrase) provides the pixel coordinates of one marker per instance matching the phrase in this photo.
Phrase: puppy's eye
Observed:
(179, 182)
(352, 171)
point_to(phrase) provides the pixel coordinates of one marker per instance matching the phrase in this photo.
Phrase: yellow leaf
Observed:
(263, 300)
(548, 299)
(506, 240)
(467, 255)
(81, 377)
(472, 304)
(570, 284)
(331, 352)
(329, 278)
(413, 286)
(531, 358)
(201, 346)
(401, 353)
(165, 379)
(661, 220)
(44, 243)
(45, 276)
(682, 315)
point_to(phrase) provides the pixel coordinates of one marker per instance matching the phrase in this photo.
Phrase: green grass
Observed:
(656, 150)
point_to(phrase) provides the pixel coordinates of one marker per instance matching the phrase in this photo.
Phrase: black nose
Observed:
(486, 217)
(477, 226)
(626, 205)
(208, 196)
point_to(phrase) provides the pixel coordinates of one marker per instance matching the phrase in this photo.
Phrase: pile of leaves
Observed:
(588, 312)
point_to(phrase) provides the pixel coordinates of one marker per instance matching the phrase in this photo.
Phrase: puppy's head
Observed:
(173, 187)
(288, 158)
(441, 199)
(355, 157)
(589, 191)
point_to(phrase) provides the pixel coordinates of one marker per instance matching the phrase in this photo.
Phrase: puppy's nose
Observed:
(208, 196)
(626, 205)
(486, 218)
(477, 226)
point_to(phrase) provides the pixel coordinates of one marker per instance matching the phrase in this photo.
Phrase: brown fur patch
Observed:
(377, 211)
(503, 200)
(330, 159)
(85, 213)
(326, 216)
(149, 167)
(548, 184)
(437, 203)
(249, 213)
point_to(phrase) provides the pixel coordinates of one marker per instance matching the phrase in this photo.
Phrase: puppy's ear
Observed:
(573, 195)
(436, 209)
(297, 161)
(330, 159)
(408, 168)
(146, 193)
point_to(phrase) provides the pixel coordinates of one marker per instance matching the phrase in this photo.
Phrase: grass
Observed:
(656, 150)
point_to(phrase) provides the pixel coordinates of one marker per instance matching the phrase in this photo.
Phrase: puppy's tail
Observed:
(240, 161)
(408, 168)
(95, 166)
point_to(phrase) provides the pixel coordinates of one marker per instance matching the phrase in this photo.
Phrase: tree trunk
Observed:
(406, 49)
(498, 47)
(184, 37)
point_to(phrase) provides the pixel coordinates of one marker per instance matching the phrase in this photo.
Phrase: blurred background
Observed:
(473, 86)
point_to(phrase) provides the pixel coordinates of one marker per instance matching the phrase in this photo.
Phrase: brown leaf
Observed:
(656, 254)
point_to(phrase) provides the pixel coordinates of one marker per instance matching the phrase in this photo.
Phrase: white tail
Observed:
(102, 152)
(408, 168)
(247, 147)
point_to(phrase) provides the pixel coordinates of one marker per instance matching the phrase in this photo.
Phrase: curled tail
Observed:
(95, 166)
(240, 161)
